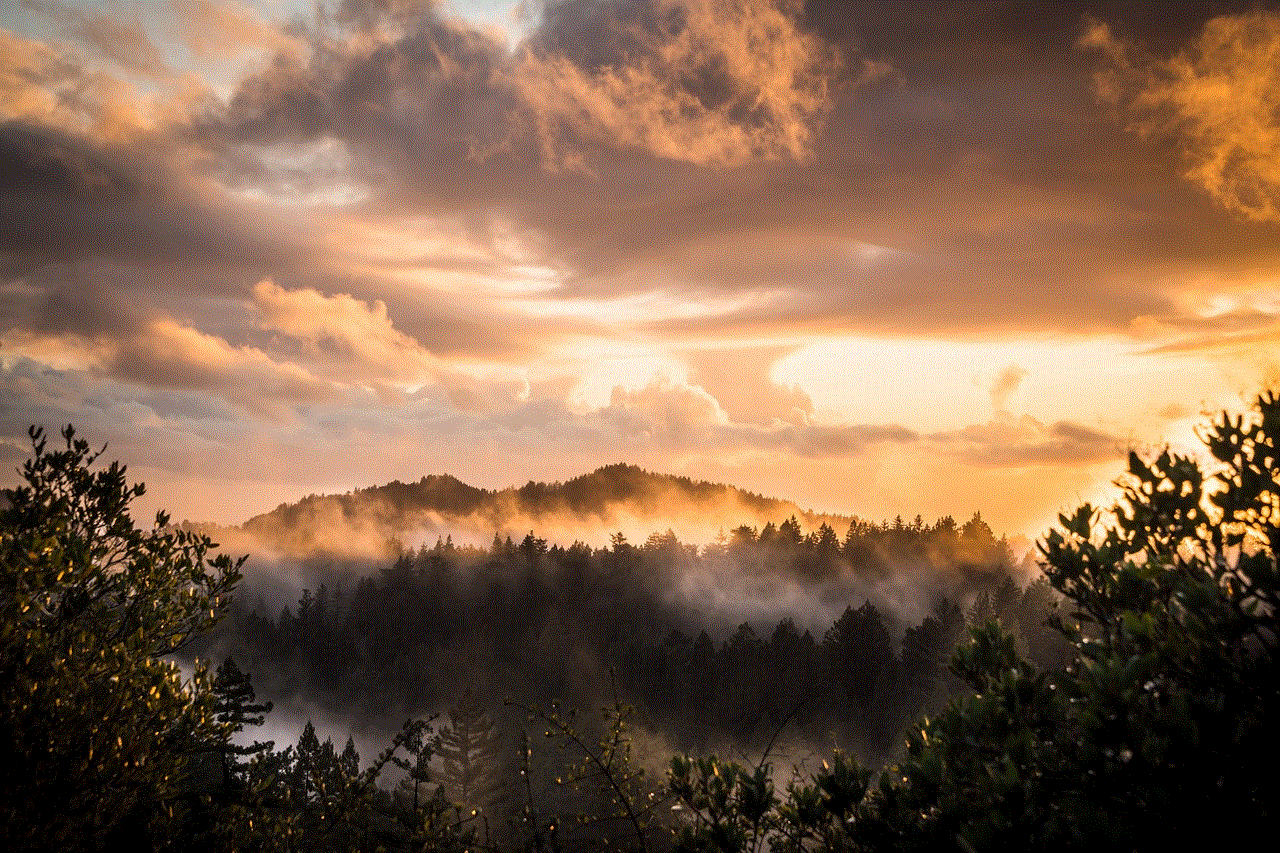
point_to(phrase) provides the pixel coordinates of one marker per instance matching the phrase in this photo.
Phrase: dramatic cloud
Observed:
(889, 258)
(162, 353)
(217, 30)
(121, 40)
(1219, 101)
(41, 162)
(739, 380)
(39, 84)
(710, 82)
(357, 333)
(1012, 442)
(713, 82)
(681, 417)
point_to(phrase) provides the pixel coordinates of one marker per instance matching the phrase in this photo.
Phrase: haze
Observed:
(893, 258)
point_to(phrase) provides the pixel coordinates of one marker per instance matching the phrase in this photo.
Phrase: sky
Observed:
(878, 259)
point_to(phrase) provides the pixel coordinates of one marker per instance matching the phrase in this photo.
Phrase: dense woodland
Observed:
(1125, 701)
(545, 623)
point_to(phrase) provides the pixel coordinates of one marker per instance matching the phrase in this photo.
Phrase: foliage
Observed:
(335, 805)
(442, 619)
(105, 741)
(737, 809)
(731, 806)
(310, 797)
(1156, 730)
(1165, 717)
(622, 800)
(469, 749)
(235, 707)
(1160, 726)
(99, 722)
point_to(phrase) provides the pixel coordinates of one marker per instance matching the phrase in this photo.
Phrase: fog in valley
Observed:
(768, 628)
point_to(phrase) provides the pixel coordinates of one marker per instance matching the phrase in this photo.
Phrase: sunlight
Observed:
(630, 371)
(935, 385)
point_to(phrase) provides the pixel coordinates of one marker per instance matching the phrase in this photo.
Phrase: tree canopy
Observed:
(1159, 732)
(1156, 731)
(97, 721)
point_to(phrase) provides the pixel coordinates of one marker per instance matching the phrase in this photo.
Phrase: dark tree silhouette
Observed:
(234, 707)
(97, 723)
(470, 750)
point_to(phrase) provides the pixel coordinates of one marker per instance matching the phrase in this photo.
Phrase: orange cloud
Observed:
(213, 30)
(355, 331)
(1219, 100)
(38, 83)
(120, 39)
(1015, 442)
(711, 82)
(163, 353)
(170, 355)
(1004, 385)
(676, 416)
(52, 87)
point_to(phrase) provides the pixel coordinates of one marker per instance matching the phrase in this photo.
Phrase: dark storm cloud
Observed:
(458, 112)
(178, 431)
(42, 161)
(88, 228)
(1005, 191)
(84, 307)
(64, 196)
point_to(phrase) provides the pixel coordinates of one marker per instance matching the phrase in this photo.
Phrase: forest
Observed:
(1119, 692)
(548, 623)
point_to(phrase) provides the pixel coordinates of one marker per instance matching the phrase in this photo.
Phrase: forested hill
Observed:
(590, 507)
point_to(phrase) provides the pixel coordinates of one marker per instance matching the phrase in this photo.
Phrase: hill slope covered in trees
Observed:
(613, 498)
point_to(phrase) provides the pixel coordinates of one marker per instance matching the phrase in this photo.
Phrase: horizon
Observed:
(874, 260)
(310, 526)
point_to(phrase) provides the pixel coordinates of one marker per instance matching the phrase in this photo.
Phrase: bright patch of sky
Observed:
(631, 369)
(308, 174)
(504, 15)
(935, 386)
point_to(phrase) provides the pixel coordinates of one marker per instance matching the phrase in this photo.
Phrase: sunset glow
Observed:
(879, 260)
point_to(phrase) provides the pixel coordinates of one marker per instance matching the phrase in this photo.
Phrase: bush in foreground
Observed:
(1160, 731)
(97, 723)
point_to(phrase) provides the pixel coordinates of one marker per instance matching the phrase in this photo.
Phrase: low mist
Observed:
(360, 611)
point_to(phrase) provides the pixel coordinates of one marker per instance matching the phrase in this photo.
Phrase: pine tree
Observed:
(470, 750)
(412, 790)
(234, 707)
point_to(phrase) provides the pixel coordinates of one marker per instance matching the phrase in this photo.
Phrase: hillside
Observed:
(615, 498)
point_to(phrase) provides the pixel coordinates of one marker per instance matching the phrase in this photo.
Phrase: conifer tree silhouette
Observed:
(234, 708)
(470, 751)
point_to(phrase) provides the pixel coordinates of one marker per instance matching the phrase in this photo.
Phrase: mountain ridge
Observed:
(619, 497)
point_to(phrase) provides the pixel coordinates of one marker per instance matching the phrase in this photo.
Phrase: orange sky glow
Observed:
(878, 259)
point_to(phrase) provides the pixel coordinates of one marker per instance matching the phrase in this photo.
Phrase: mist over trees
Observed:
(368, 522)
(544, 622)
(1122, 718)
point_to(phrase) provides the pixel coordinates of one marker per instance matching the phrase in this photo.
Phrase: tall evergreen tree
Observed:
(470, 751)
(234, 707)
